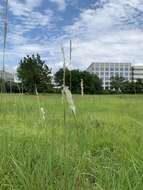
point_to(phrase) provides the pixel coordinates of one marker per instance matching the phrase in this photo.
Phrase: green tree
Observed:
(117, 83)
(92, 84)
(139, 86)
(126, 87)
(34, 73)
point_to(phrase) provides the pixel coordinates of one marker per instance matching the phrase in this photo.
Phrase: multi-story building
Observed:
(107, 70)
(137, 72)
(9, 77)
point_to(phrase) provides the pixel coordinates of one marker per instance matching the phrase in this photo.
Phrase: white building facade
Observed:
(107, 70)
(137, 72)
(9, 77)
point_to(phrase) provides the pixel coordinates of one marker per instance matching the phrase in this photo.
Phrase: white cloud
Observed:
(26, 19)
(112, 32)
(33, 3)
(109, 33)
(19, 8)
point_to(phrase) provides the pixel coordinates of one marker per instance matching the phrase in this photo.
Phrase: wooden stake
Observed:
(82, 87)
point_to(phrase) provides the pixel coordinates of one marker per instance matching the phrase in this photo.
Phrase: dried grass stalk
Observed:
(69, 99)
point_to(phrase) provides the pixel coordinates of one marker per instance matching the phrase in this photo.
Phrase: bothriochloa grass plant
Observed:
(107, 154)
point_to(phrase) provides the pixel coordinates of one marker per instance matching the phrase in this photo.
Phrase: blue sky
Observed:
(101, 30)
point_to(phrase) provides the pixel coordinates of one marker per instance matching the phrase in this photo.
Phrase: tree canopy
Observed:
(120, 85)
(117, 83)
(34, 73)
(92, 84)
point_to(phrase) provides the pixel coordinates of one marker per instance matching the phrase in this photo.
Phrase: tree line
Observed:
(120, 85)
(35, 76)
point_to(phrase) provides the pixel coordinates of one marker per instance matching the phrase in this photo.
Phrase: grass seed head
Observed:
(36, 91)
(42, 113)
(69, 99)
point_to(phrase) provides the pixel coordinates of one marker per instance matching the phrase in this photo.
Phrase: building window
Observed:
(121, 74)
(117, 73)
(97, 68)
(112, 74)
(102, 73)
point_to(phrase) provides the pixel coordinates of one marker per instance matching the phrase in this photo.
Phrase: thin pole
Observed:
(82, 87)
(64, 83)
(70, 64)
(64, 67)
(10, 86)
(5, 20)
(22, 87)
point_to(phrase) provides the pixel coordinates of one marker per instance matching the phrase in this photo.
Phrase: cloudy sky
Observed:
(101, 30)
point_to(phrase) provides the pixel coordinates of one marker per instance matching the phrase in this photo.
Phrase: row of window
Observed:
(111, 69)
(108, 82)
(112, 65)
(113, 74)
(108, 79)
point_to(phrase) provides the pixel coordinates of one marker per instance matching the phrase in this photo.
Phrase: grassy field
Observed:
(102, 150)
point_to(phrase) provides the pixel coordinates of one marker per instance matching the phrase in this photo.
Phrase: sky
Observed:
(100, 30)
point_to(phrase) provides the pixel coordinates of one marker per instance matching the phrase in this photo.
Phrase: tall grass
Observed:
(107, 155)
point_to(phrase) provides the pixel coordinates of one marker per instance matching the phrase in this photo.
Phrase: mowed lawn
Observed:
(101, 150)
